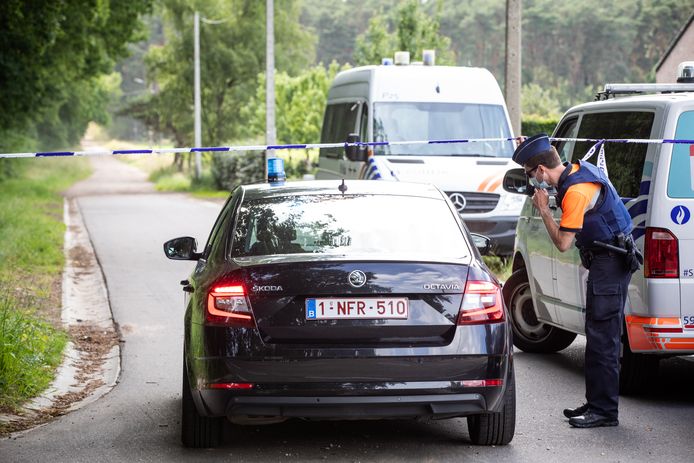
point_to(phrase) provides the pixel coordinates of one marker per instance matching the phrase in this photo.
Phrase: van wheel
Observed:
(197, 431)
(496, 428)
(637, 371)
(529, 334)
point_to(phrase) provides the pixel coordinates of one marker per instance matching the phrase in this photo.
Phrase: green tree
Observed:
(375, 43)
(300, 102)
(232, 57)
(477, 29)
(538, 101)
(52, 56)
(337, 23)
(414, 31)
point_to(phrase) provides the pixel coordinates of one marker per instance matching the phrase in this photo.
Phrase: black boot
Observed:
(592, 420)
(578, 411)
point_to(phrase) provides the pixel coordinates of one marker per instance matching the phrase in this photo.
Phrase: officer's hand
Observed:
(541, 199)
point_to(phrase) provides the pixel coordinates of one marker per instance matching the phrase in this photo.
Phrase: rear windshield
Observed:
(360, 226)
(681, 179)
(441, 121)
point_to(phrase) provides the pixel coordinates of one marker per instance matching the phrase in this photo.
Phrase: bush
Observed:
(232, 169)
(29, 350)
(500, 266)
(532, 125)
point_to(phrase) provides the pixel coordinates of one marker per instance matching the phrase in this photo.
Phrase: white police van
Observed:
(546, 292)
(389, 103)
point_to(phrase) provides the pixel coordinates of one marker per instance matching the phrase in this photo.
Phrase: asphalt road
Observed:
(139, 419)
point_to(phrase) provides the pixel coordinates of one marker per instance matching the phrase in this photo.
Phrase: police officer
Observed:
(594, 214)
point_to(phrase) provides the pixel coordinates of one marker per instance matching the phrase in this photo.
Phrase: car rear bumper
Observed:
(659, 335)
(474, 400)
(358, 407)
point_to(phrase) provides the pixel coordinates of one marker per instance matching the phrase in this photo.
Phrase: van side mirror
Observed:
(482, 243)
(182, 249)
(355, 153)
(516, 181)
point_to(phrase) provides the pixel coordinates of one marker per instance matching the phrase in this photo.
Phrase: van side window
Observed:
(680, 182)
(567, 130)
(624, 160)
(340, 120)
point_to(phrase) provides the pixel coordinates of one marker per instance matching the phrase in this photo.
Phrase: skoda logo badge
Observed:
(357, 278)
(458, 201)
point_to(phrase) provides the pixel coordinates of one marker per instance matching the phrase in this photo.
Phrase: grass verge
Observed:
(499, 265)
(31, 262)
(30, 349)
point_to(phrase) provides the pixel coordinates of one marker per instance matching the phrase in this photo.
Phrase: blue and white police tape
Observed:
(322, 145)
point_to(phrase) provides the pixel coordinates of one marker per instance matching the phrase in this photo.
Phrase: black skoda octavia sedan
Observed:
(343, 300)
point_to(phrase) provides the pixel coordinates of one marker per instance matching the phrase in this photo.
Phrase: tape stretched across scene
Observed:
(324, 145)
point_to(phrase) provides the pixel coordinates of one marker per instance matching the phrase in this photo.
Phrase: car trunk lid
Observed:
(377, 303)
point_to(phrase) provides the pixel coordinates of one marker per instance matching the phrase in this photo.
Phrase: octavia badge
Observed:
(458, 201)
(357, 278)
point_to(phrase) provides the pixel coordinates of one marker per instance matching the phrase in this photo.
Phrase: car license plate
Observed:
(357, 308)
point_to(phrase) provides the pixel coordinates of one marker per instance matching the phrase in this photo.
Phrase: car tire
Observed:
(496, 428)
(637, 371)
(197, 431)
(529, 334)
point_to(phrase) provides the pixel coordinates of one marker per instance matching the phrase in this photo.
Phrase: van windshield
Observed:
(441, 121)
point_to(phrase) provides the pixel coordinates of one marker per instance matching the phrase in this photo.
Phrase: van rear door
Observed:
(680, 192)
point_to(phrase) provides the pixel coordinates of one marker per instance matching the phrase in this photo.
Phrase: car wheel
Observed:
(496, 428)
(529, 334)
(197, 431)
(637, 371)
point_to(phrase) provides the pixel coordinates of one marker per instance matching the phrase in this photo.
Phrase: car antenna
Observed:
(342, 187)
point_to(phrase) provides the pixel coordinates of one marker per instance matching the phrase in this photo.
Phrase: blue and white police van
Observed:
(546, 292)
(406, 102)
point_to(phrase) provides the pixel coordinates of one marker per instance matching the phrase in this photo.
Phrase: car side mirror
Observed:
(355, 152)
(516, 181)
(182, 249)
(482, 243)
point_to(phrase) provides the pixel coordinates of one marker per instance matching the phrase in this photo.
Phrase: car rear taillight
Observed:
(661, 258)
(230, 386)
(227, 305)
(482, 303)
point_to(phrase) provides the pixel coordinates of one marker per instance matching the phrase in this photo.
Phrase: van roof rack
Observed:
(630, 89)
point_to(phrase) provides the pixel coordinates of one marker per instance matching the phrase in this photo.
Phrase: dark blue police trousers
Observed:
(608, 281)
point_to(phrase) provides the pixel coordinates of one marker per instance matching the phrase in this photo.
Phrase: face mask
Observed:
(541, 185)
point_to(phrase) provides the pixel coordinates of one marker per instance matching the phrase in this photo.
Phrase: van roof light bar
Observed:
(630, 89)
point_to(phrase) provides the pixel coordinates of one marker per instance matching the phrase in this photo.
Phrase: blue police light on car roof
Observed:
(275, 171)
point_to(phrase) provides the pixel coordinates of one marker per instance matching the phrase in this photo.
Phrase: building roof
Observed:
(673, 44)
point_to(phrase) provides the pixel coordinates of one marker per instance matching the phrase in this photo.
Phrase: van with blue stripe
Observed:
(546, 292)
(407, 102)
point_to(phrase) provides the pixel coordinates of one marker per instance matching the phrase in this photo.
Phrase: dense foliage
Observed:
(52, 62)
(299, 101)
(408, 28)
(57, 56)
(569, 48)
(232, 56)
(31, 263)
(531, 125)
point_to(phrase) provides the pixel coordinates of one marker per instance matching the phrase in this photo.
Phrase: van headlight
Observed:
(511, 203)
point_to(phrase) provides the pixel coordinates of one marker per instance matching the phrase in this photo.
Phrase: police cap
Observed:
(531, 147)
